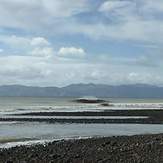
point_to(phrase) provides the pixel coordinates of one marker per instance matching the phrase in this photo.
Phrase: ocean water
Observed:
(15, 133)
(11, 105)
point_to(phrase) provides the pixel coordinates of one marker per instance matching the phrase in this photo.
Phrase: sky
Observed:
(60, 42)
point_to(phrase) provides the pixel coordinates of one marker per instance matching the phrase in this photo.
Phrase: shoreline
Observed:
(116, 149)
(121, 149)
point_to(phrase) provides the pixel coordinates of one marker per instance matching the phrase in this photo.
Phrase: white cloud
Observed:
(115, 6)
(31, 70)
(127, 22)
(71, 52)
(15, 41)
(132, 21)
(129, 19)
(40, 47)
(141, 77)
(42, 52)
(22, 41)
(36, 46)
(64, 8)
(39, 41)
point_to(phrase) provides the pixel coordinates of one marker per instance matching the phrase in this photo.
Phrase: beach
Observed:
(121, 149)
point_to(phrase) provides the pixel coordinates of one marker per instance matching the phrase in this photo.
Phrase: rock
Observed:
(106, 104)
(106, 143)
(77, 156)
(9, 161)
(89, 100)
(55, 156)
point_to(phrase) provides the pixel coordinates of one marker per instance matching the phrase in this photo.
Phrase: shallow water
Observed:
(43, 131)
(75, 117)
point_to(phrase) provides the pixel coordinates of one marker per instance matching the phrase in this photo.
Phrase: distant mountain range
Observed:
(79, 90)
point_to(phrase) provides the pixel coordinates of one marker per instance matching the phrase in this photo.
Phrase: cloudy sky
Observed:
(59, 42)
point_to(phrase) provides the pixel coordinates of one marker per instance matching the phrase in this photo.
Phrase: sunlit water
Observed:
(11, 132)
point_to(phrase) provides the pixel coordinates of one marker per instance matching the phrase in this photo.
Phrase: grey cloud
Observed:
(42, 16)
(34, 70)
(37, 14)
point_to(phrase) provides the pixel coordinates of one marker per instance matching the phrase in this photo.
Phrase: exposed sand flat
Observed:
(112, 116)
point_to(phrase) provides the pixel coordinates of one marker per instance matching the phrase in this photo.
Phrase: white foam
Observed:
(35, 142)
(134, 106)
(20, 143)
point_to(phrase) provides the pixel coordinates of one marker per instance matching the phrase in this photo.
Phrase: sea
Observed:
(15, 133)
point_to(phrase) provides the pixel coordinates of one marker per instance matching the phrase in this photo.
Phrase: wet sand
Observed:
(151, 117)
(122, 149)
(126, 112)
